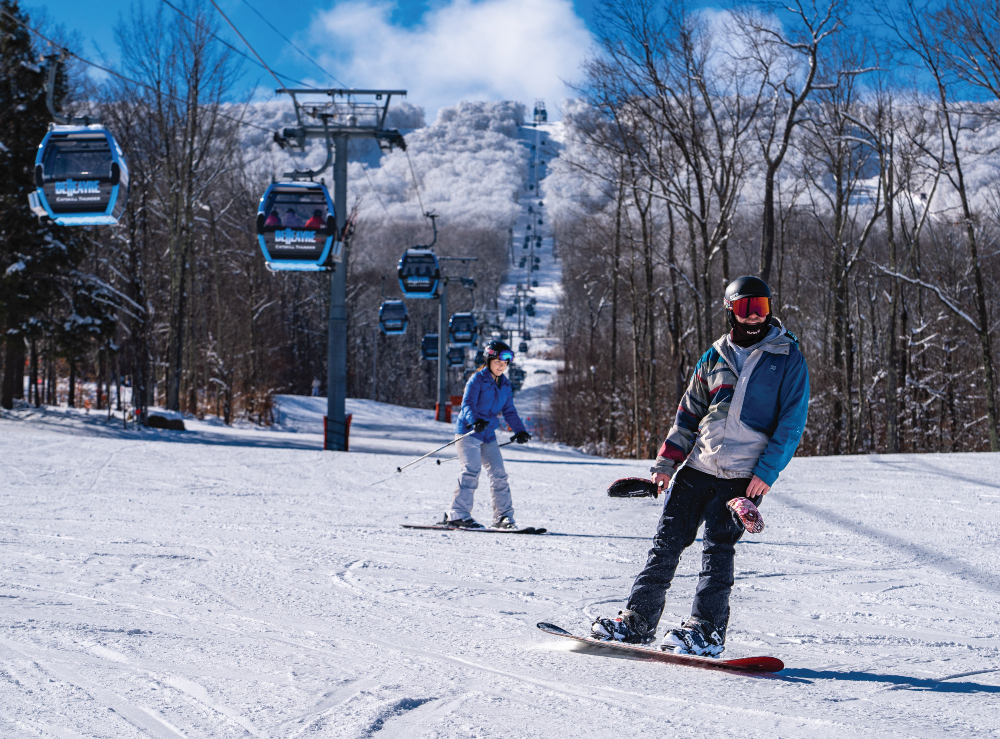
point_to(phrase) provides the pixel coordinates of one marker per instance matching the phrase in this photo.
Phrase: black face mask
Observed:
(745, 334)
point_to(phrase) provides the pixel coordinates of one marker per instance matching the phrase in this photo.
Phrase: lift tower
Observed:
(346, 114)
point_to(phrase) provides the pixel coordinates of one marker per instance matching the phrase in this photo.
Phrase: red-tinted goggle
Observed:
(743, 307)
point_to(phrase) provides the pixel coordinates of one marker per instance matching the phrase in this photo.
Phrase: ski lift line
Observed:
(416, 183)
(289, 42)
(236, 31)
(372, 186)
(225, 43)
(122, 77)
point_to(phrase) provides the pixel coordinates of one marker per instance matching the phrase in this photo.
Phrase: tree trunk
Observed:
(675, 313)
(767, 231)
(33, 392)
(19, 352)
(101, 369)
(71, 397)
(7, 386)
(612, 432)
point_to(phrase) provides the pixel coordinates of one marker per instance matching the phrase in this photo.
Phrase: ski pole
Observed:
(400, 469)
(506, 443)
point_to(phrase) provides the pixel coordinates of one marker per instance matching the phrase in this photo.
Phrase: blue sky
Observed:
(440, 50)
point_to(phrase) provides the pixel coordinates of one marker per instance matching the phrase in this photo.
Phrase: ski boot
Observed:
(628, 628)
(694, 638)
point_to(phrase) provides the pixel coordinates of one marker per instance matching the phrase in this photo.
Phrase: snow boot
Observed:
(505, 522)
(693, 638)
(628, 628)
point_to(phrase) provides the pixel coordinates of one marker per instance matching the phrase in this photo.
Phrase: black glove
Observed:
(634, 487)
(480, 426)
(521, 437)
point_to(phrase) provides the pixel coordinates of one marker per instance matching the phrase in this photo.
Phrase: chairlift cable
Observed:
(416, 183)
(228, 45)
(289, 42)
(281, 84)
(372, 186)
(122, 77)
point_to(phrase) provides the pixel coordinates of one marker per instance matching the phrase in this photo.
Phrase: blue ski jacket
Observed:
(484, 398)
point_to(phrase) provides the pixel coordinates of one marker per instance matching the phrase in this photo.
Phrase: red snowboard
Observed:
(746, 664)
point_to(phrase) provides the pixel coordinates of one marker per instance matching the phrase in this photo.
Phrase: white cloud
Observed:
(461, 50)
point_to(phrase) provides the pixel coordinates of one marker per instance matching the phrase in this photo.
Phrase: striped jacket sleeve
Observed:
(693, 407)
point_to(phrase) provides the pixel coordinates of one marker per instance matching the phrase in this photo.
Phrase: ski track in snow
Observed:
(239, 582)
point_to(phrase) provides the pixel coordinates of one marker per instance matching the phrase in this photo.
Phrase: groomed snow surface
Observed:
(226, 582)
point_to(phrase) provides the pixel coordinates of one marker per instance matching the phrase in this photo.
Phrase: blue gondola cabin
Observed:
(296, 227)
(81, 178)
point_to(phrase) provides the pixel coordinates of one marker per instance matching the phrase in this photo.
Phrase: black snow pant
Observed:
(694, 497)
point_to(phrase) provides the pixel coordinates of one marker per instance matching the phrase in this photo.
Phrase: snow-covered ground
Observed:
(237, 582)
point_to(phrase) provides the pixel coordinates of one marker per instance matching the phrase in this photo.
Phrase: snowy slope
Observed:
(228, 582)
(540, 362)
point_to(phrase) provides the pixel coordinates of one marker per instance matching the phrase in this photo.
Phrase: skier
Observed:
(736, 428)
(487, 393)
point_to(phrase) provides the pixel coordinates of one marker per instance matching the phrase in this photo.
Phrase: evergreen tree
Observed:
(34, 257)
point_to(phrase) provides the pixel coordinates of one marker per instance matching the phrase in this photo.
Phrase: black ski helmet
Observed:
(495, 348)
(747, 286)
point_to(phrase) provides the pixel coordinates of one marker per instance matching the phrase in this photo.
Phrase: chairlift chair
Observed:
(393, 317)
(419, 273)
(456, 356)
(296, 226)
(81, 178)
(429, 346)
(463, 329)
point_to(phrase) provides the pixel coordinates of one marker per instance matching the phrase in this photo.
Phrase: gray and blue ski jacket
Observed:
(738, 424)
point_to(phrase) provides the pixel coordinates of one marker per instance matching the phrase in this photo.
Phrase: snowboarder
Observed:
(487, 393)
(737, 426)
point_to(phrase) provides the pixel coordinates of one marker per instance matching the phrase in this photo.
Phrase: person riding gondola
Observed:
(317, 221)
(274, 219)
(292, 219)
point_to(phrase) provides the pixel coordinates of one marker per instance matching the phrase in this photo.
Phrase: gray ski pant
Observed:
(473, 455)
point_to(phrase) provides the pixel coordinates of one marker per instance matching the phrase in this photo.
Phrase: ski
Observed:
(746, 664)
(439, 527)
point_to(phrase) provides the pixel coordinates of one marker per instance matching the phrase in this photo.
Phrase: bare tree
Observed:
(931, 41)
(787, 62)
(187, 79)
